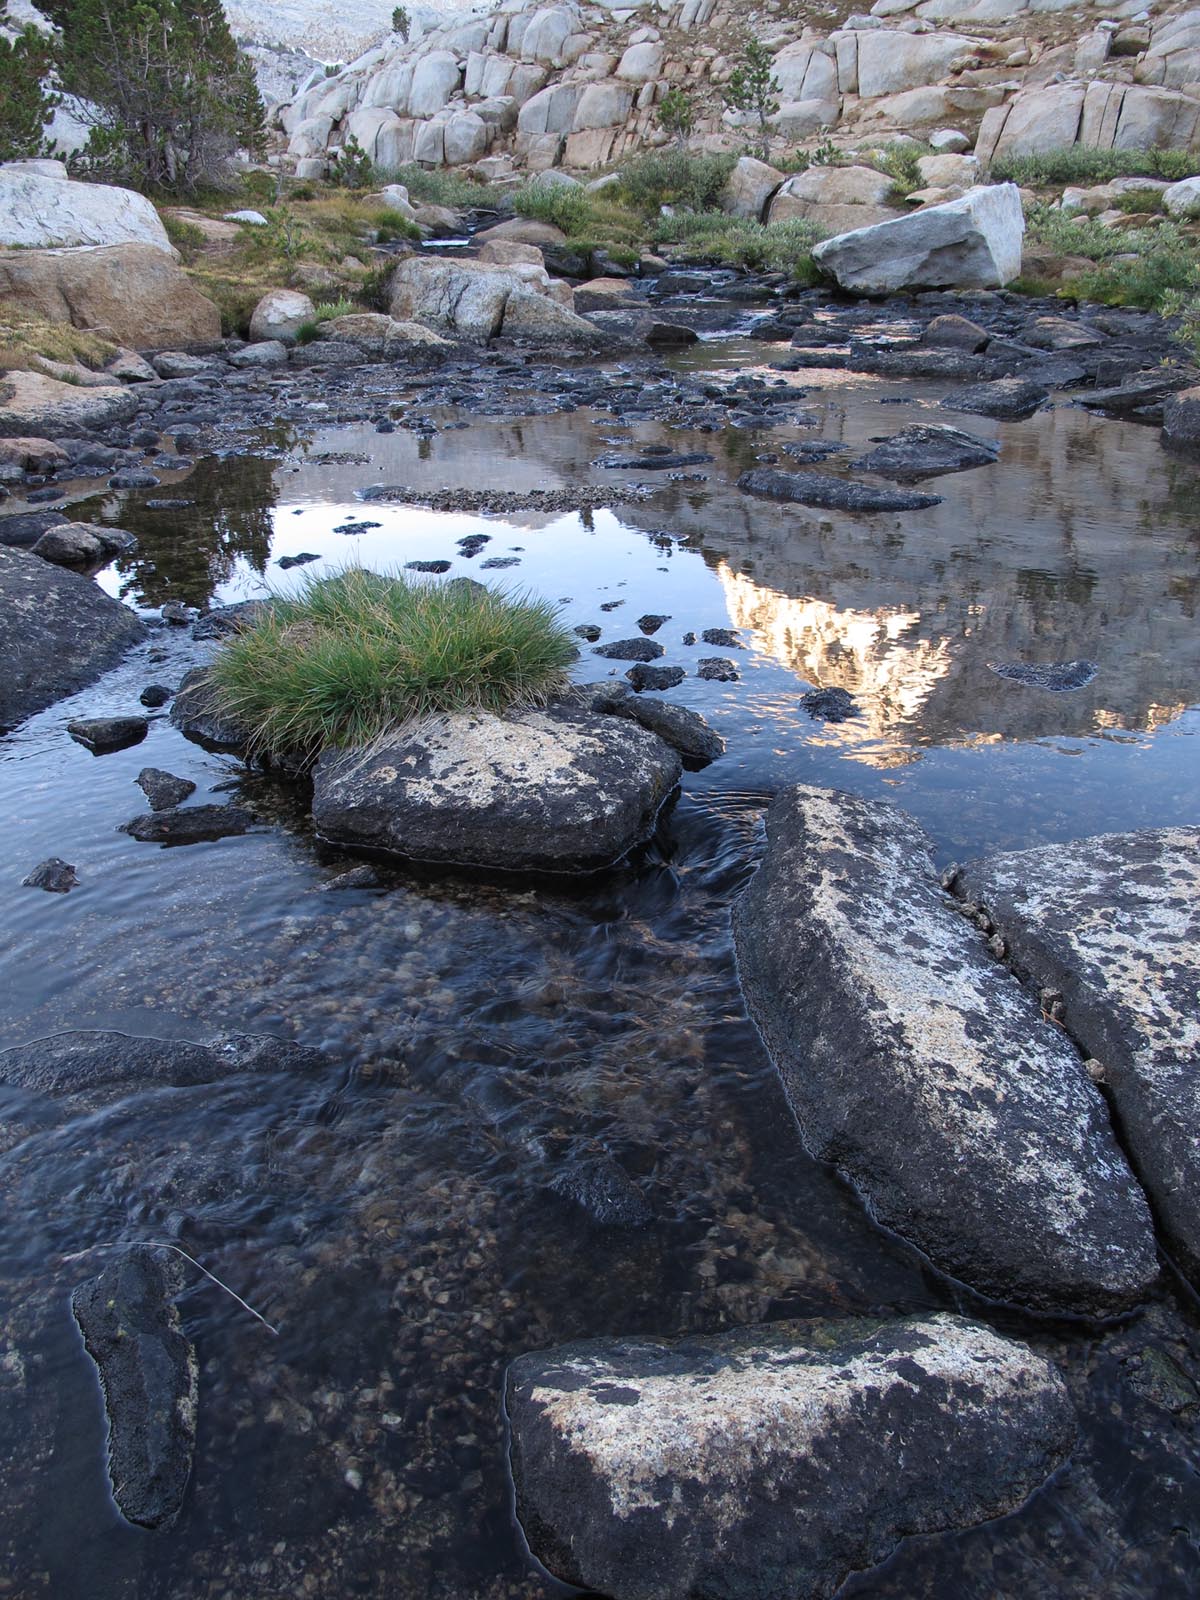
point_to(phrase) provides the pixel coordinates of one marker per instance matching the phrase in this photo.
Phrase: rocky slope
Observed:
(577, 85)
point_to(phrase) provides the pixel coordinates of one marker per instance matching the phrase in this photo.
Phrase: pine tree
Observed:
(26, 105)
(168, 94)
(676, 115)
(752, 88)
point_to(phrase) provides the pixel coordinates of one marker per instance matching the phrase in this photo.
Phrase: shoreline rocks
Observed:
(769, 1463)
(921, 1069)
(552, 790)
(1107, 930)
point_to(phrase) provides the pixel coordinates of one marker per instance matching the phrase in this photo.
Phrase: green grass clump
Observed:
(561, 205)
(712, 237)
(1079, 164)
(438, 187)
(675, 178)
(357, 655)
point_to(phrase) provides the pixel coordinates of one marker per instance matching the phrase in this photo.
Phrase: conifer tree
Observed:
(752, 87)
(26, 105)
(167, 92)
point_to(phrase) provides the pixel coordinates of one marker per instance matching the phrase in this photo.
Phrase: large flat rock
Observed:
(32, 403)
(58, 632)
(135, 293)
(768, 1463)
(922, 1069)
(1113, 925)
(553, 790)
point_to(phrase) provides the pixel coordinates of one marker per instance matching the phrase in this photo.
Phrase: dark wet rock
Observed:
(630, 649)
(657, 461)
(103, 734)
(1107, 931)
(917, 361)
(651, 622)
(197, 715)
(1059, 333)
(23, 530)
(602, 1188)
(54, 875)
(684, 730)
(285, 563)
(836, 494)
(149, 1373)
(1180, 421)
(642, 677)
(97, 1065)
(178, 614)
(717, 669)
(953, 332)
(830, 705)
(473, 543)
(189, 824)
(134, 478)
(920, 1067)
(612, 605)
(813, 449)
(1057, 676)
(769, 1463)
(224, 620)
(1143, 395)
(555, 790)
(70, 544)
(427, 566)
(163, 789)
(588, 631)
(58, 632)
(362, 877)
(1005, 399)
(726, 637)
(668, 335)
(924, 451)
(496, 563)
(155, 695)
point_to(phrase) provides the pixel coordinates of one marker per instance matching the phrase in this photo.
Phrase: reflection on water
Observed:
(411, 1217)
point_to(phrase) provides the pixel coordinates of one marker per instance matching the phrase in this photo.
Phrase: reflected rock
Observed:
(1005, 399)
(923, 451)
(822, 489)
(1054, 675)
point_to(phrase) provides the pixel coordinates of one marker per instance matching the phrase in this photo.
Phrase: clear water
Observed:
(394, 1216)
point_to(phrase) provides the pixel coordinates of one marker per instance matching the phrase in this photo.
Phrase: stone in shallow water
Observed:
(717, 669)
(148, 1370)
(769, 1463)
(427, 566)
(822, 489)
(921, 1068)
(630, 649)
(831, 705)
(1006, 399)
(642, 677)
(1112, 926)
(553, 790)
(725, 637)
(923, 451)
(189, 824)
(54, 875)
(163, 789)
(1055, 675)
(684, 730)
(102, 734)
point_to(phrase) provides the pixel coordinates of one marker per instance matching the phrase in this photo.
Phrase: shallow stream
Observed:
(404, 1219)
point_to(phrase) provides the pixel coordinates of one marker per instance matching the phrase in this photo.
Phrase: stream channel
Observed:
(418, 1215)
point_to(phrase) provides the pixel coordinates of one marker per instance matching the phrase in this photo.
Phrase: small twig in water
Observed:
(163, 1244)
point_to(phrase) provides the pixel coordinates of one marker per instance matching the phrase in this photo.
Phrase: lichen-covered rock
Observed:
(58, 632)
(769, 1463)
(921, 1068)
(1111, 926)
(551, 790)
(970, 243)
(150, 1376)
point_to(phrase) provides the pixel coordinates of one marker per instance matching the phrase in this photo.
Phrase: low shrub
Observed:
(1131, 266)
(561, 205)
(357, 655)
(675, 178)
(1080, 164)
(737, 242)
(438, 187)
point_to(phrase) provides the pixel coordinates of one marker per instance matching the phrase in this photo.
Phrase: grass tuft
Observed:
(359, 654)
(1080, 164)
(713, 237)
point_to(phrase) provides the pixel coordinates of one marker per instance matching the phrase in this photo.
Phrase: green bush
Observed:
(562, 206)
(1132, 266)
(357, 655)
(675, 178)
(1080, 164)
(437, 187)
(737, 242)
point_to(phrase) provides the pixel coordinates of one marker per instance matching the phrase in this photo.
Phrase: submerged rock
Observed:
(921, 1068)
(149, 1374)
(163, 789)
(1108, 929)
(553, 790)
(822, 489)
(924, 451)
(1055, 675)
(769, 1463)
(58, 632)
